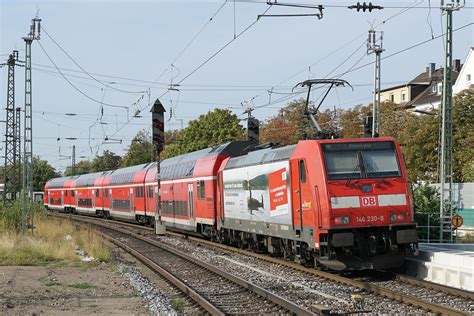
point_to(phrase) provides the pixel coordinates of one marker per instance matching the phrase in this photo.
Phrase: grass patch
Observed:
(178, 304)
(52, 283)
(81, 286)
(54, 241)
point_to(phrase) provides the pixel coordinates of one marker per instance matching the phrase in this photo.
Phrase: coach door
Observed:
(191, 204)
(301, 194)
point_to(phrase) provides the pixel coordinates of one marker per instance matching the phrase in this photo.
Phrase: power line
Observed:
(72, 85)
(82, 68)
(222, 48)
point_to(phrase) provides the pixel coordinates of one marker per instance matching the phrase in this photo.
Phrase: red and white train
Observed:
(343, 204)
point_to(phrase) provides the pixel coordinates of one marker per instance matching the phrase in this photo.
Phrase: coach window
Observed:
(150, 191)
(96, 192)
(302, 172)
(106, 193)
(201, 189)
(73, 193)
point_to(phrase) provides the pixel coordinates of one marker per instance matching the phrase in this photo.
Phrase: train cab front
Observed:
(370, 216)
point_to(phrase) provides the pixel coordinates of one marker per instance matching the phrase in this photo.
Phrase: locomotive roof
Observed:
(183, 166)
(262, 156)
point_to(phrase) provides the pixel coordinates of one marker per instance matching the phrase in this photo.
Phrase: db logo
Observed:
(369, 201)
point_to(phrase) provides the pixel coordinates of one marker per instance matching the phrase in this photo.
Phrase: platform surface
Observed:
(448, 264)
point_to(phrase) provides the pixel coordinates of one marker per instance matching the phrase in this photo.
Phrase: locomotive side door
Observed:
(301, 194)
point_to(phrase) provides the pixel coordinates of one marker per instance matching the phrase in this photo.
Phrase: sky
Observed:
(123, 55)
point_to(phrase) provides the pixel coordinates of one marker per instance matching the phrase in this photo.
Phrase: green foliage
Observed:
(82, 286)
(427, 204)
(178, 304)
(82, 167)
(107, 161)
(214, 128)
(463, 126)
(140, 150)
(10, 215)
(42, 172)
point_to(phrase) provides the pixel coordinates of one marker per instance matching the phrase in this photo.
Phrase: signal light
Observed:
(397, 217)
(341, 220)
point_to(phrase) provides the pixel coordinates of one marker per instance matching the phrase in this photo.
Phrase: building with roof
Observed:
(423, 93)
(466, 76)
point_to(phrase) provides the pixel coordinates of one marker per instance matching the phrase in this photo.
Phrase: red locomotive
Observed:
(342, 204)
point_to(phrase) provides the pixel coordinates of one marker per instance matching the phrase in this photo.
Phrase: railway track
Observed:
(216, 291)
(422, 294)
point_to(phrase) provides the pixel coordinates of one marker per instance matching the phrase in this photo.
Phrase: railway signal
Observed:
(158, 131)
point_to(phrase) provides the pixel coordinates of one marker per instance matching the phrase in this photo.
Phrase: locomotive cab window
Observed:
(201, 189)
(361, 160)
(302, 171)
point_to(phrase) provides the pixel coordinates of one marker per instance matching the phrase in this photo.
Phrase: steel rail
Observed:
(278, 300)
(213, 310)
(374, 289)
(371, 288)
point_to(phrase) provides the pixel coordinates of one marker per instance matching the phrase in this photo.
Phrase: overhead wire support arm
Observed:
(295, 5)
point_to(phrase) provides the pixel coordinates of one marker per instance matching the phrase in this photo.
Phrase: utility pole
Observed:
(27, 214)
(73, 158)
(374, 46)
(10, 172)
(446, 138)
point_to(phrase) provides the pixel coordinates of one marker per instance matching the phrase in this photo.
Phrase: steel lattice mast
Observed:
(12, 183)
(27, 196)
(18, 145)
(446, 137)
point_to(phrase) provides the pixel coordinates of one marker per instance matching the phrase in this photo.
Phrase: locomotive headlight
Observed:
(341, 220)
(397, 217)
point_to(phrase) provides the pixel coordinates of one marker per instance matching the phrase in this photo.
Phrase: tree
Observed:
(140, 150)
(463, 134)
(107, 161)
(427, 203)
(214, 128)
(42, 172)
(82, 167)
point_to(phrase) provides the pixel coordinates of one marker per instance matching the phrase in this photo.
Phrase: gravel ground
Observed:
(303, 289)
(155, 300)
(441, 298)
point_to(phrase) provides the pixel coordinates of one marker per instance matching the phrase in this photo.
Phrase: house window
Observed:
(468, 77)
(434, 88)
(201, 189)
(403, 96)
(392, 98)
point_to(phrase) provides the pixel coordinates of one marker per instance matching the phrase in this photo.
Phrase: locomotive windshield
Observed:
(361, 160)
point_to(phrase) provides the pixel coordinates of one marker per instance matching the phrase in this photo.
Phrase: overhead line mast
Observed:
(12, 185)
(27, 214)
(446, 209)
(374, 46)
